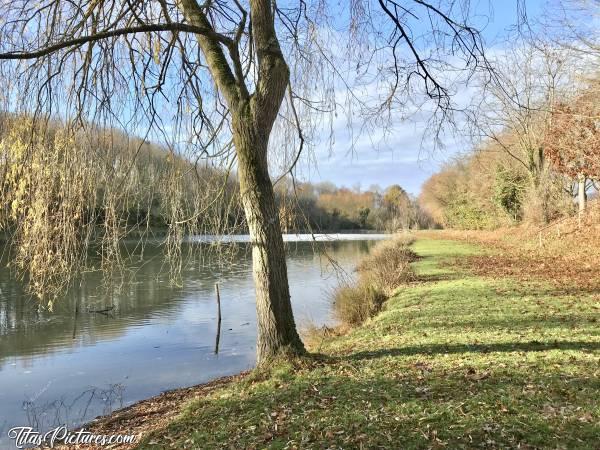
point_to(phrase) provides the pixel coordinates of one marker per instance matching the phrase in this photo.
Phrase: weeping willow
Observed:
(71, 196)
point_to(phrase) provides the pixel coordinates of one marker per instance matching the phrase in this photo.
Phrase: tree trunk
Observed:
(276, 328)
(252, 120)
(582, 197)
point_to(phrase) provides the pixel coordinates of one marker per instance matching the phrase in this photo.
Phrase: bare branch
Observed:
(173, 27)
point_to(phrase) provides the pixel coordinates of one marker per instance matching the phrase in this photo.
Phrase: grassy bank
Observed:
(455, 360)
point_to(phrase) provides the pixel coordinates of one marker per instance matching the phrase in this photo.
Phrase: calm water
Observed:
(66, 368)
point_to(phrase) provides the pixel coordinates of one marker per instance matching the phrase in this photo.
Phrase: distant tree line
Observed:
(131, 186)
(326, 207)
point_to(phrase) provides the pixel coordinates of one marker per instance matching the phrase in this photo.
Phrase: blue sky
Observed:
(401, 158)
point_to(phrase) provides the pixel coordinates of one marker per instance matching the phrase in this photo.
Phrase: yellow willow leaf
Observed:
(14, 208)
(156, 53)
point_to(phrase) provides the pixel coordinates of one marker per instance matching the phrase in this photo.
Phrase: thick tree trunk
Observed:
(252, 119)
(276, 328)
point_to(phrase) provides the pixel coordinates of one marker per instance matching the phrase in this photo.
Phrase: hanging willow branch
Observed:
(122, 111)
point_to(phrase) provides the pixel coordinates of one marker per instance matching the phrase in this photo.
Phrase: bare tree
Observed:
(573, 26)
(211, 78)
(513, 110)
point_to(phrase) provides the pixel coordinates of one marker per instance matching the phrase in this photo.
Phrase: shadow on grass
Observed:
(327, 410)
(433, 278)
(438, 349)
(518, 325)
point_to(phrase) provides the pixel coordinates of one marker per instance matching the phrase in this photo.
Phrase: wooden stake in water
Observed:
(218, 318)
(76, 311)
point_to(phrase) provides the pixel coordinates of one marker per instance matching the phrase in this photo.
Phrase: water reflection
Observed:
(75, 363)
(74, 410)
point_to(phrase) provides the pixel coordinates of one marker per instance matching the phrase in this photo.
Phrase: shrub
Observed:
(547, 201)
(509, 189)
(379, 275)
(388, 266)
(464, 213)
(355, 304)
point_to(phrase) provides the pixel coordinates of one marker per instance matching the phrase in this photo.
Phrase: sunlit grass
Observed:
(453, 361)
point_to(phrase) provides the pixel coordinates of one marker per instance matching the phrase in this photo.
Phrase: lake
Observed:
(67, 367)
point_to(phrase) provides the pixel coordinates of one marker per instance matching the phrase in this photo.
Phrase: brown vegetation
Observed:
(535, 133)
(326, 207)
(379, 275)
(483, 190)
(565, 253)
(388, 265)
(493, 186)
(573, 141)
(354, 304)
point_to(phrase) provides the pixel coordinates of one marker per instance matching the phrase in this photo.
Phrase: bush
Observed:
(379, 275)
(388, 266)
(547, 201)
(464, 213)
(355, 304)
(510, 187)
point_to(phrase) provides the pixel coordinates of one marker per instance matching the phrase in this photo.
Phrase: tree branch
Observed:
(273, 72)
(438, 91)
(213, 52)
(174, 27)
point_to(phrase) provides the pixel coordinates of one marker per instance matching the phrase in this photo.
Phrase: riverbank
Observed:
(456, 359)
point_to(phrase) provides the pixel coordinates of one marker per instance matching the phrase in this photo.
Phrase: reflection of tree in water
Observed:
(92, 401)
(3, 427)
(349, 249)
(143, 289)
(26, 330)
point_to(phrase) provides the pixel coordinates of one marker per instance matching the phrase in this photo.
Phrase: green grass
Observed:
(453, 361)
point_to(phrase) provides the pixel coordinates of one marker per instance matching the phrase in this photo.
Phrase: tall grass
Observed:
(379, 275)
(354, 304)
